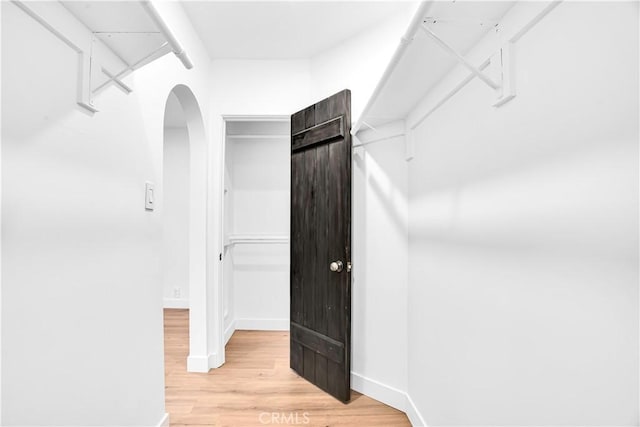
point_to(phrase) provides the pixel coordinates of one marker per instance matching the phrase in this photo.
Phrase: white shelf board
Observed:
(235, 239)
(125, 27)
(111, 39)
(423, 64)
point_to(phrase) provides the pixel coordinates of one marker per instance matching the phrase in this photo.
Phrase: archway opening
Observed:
(184, 217)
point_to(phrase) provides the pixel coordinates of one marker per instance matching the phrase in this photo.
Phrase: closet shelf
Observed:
(112, 39)
(245, 136)
(438, 42)
(236, 239)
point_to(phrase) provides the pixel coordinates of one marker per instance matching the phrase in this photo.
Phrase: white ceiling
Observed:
(283, 29)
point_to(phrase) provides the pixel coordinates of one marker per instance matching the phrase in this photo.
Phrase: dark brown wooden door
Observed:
(320, 236)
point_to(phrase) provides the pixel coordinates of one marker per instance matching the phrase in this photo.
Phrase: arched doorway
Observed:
(185, 218)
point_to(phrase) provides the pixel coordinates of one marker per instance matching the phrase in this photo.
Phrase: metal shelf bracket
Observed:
(89, 68)
(500, 65)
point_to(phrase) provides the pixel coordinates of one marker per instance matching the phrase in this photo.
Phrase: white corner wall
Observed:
(380, 272)
(175, 213)
(523, 235)
(82, 338)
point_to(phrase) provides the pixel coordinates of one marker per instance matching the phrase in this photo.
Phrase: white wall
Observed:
(0, 243)
(261, 180)
(523, 238)
(82, 304)
(380, 270)
(175, 224)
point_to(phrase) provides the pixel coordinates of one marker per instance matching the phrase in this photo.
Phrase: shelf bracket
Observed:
(409, 144)
(500, 64)
(112, 77)
(451, 51)
(90, 81)
(129, 68)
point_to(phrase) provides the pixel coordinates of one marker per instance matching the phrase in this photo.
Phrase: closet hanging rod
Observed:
(250, 238)
(177, 48)
(247, 136)
(416, 22)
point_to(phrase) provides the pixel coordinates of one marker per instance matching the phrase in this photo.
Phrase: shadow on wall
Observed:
(523, 249)
(381, 181)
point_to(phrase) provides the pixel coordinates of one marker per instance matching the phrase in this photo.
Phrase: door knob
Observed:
(336, 266)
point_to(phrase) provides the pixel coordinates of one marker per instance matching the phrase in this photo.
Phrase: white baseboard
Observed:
(229, 331)
(215, 360)
(197, 364)
(415, 418)
(388, 395)
(262, 324)
(378, 391)
(175, 303)
(203, 364)
(164, 422)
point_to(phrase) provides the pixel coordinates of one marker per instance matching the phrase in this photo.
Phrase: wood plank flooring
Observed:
(255, 387)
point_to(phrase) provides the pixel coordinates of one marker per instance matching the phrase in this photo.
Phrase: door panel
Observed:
(320, 235)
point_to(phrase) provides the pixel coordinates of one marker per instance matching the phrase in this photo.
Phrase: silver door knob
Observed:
(336, 266)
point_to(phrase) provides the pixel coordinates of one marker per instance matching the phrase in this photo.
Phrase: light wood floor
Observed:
(255, 387)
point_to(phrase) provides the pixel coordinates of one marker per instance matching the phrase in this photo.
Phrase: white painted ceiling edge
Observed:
(283, 29)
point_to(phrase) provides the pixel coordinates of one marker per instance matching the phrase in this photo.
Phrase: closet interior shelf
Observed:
(236, 239)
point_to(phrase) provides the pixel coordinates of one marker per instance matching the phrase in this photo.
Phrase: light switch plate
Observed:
(149, 196)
